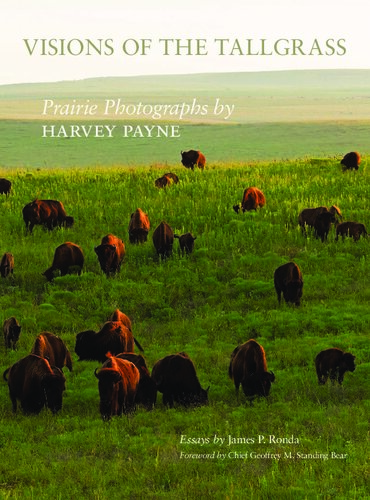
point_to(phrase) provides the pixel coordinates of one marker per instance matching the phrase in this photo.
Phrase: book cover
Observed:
(184, 252)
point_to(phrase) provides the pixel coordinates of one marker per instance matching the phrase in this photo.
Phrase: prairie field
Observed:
(305, 441)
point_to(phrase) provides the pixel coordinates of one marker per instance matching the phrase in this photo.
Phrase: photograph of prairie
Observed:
(186, 316)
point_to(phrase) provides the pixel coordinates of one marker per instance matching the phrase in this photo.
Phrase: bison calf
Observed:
(288, 281)
(186, 242)
(12, 331)
(333, 363)
(248, 367)
(176, 379)
(352, 229)
(6, 264)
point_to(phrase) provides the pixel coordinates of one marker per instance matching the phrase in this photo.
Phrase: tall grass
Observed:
(204, 304)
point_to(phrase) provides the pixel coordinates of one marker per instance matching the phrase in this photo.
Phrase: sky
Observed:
(123, 25)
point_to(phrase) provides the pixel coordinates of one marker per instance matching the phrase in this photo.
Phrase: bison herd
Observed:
(124, 380)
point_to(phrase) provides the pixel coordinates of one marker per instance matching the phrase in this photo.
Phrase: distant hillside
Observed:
(279, 96)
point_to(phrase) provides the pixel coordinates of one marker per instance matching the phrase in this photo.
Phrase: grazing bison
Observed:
(49, 346)
(113, 337)
(248, 367)
(163, 181)
(147, 389)
(118, 383)
(288, 280)
(5, 186)
(173, 177)
(353, 229)
(351, 161)
(67, 257)
(333, 363)
(36, 384)
(323, 224)
(191, 158)
(163, 240)
(176, 379)
(110, 254)
(307, 216)
(138, 227)
(252, 199)
(186, 242)
(12, 331)
(6, 264)
(47, 213)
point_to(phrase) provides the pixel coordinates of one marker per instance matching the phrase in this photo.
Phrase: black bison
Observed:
(118, 383)
(12, 331)
(307, 216)
(110, 254)
(176, 379)
(36, 384)
(6, 264)
(351, 161)
(191, 158)
(352, 229)
(49, 346)
(248, 367)
(288, 280)
(138, 227)
(147, 390)
(67, 257)
(186, 242)
(47, 213)
(163, 237)
(252, 199)
(163, 181)
(114, 337)
(5, 186)
(333, 363)
(323, 224)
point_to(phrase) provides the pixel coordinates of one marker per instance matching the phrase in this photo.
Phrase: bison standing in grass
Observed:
(333, 363)
(12, 331)
(248, 367)
(252, 199)
(138, 227)
(5, 186)
(353, 229)
(67, 257)
(351, 161)
(110, 252)
(193, 158)
(186, 242)
(47, 213)
(6, 264)
(163, 238)
(308, 216)
(288, 281)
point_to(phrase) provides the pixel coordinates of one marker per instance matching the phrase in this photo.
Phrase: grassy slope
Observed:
(205, 305)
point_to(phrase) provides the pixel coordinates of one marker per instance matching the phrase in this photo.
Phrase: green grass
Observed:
(205, 305)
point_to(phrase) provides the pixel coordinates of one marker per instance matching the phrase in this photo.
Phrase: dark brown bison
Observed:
(147, 389)
(351, 161)
(252, 199)
(186, 242)
(333, 363)
(138, 227)
(163, 237)
(176, 379)
(12, 331)
(163, 181)
(323, 224)
(47, 213)
(118, 315)
(191, 158)
(67, 257)
(49, 346)
(118, 384)
(6, 264)
(110, 254)
(5, 186)
(114, 337)
(288, 280)
(36, 384)
(307, 216)
(352, 229)
(248, 367)
(173, 177)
